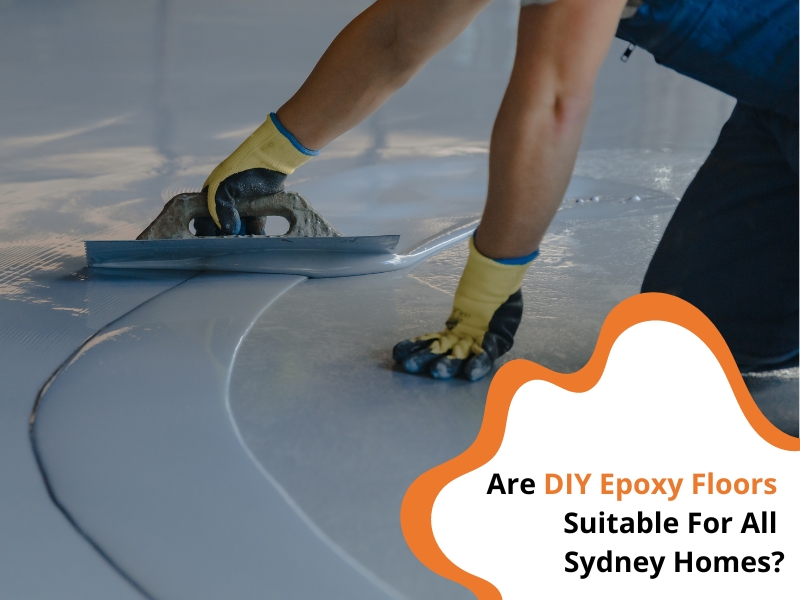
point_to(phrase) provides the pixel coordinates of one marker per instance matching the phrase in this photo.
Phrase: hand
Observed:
(487, 310)
(454, 352)
(258, 167)
(239, 186)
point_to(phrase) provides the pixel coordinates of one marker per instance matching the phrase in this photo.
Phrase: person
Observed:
(731, 248)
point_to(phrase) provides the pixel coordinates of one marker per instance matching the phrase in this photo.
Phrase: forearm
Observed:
(539, 127)
(377, 53)
(532, 154)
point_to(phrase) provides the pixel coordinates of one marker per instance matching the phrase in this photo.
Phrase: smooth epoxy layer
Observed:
(136, 443)
(48, 317)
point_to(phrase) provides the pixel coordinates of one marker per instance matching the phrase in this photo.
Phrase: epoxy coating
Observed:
(44, 316)
(148, 466)
(111, 109)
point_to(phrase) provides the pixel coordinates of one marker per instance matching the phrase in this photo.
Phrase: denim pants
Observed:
(731, 248)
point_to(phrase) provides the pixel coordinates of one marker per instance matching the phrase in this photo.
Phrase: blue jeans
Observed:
(731, 248)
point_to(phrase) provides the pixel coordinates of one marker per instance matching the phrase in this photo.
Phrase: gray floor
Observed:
(111, 108)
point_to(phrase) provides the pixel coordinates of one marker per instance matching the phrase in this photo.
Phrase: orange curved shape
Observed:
(415, 512)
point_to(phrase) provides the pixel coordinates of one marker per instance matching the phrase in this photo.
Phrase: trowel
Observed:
(310, 247)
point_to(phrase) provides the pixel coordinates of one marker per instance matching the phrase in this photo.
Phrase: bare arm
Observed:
(538, 129)
(378, 52)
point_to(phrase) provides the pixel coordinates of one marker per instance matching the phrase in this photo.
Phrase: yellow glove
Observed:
(258, 167)
(487, 310)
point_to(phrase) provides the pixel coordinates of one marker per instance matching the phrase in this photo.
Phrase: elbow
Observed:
(403, 64)
(553, 115)
(553, 105)
(401, 43)
(569, 109)
(391, 46)
(404, 57)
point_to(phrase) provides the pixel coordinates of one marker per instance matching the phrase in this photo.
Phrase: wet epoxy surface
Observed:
(148, 466)
(41, 555)
(109, 109)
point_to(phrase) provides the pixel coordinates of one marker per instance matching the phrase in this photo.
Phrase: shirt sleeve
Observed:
(630, 8)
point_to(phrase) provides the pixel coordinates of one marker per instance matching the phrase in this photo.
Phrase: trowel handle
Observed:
(173, 222)
(178, 213)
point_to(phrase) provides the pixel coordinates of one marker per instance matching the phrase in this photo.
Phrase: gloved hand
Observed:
(487, 309)
(258, 167)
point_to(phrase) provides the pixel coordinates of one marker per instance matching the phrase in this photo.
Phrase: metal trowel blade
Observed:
(310, 256)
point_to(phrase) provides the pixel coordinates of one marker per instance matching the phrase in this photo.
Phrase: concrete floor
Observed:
(211, 433)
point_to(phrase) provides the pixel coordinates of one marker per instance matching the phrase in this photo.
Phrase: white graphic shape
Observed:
(662, 409)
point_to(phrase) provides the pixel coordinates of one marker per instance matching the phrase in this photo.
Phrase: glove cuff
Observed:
(272, 147)
(486, 280)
